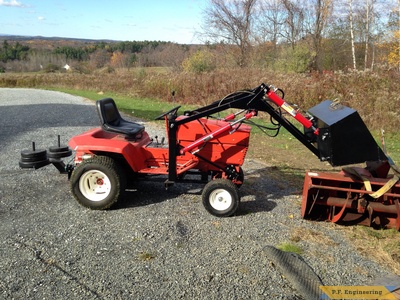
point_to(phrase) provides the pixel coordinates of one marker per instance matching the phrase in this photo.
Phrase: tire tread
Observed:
(115, 170)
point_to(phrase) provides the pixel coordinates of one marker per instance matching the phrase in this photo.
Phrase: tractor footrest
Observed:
(163, 170)
(190, 164)
(155, 170)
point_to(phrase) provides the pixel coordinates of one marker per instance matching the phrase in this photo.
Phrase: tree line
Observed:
(84, 52)
(20, 56)
(279, 35)
(13, 52)
(319, 34)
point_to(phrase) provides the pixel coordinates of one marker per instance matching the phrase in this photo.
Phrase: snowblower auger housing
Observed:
(200, 147)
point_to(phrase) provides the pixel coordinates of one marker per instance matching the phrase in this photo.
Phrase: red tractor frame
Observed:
(210, 150)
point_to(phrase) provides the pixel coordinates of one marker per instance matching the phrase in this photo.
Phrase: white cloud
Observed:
(13, 3)
(41, 18)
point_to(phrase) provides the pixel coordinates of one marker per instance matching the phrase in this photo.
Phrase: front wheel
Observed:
(221, 197)
(98, 182)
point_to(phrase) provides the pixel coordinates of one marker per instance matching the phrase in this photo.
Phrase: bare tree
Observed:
(171, 55)
(270, 21)
(99, 58)
(362, 14)
(398, 33)
(372, 24)
(230, 21)
(368, 8)
(301, 19)
(319, 13)
(353, 49)
(393, 57)
(294, 21)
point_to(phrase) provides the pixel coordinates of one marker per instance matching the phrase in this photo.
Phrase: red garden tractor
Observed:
(203, 147)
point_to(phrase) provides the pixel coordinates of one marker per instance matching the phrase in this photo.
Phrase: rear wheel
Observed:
(221, 197)
(98, 182)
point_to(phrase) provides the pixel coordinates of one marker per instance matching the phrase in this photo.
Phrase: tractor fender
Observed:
(99, 142)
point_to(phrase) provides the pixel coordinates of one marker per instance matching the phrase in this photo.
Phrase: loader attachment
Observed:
(332, 131)
(343, 137)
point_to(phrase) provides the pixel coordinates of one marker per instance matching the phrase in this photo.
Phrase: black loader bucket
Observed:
(343, 137)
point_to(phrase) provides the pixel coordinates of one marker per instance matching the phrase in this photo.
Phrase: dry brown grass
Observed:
(383, 246)
(375, 96)
(313, 236)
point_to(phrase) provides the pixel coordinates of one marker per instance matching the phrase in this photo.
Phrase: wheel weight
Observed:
(35, 158)
(59, 151)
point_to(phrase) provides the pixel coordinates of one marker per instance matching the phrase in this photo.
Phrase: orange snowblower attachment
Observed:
(366, 196)
(351, 197)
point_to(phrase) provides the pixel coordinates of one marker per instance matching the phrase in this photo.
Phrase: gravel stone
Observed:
(157, 244)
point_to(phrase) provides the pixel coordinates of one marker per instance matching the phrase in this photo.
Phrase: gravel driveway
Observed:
(157, 244)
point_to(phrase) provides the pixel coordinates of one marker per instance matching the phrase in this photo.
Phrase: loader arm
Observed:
(333, 132)
(257, 99)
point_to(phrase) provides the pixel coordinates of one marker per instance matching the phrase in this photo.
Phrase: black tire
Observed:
(297, 272)
(221, 197)
(98, 183)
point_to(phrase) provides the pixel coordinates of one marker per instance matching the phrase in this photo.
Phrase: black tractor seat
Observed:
(112, 121)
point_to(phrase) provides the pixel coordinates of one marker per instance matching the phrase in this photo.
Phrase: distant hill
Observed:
(50, 43)
(10, 37)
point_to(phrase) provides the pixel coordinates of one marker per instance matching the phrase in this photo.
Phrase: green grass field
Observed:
(143, 108)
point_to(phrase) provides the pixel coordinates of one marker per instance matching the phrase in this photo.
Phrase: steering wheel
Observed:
(174, 110)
